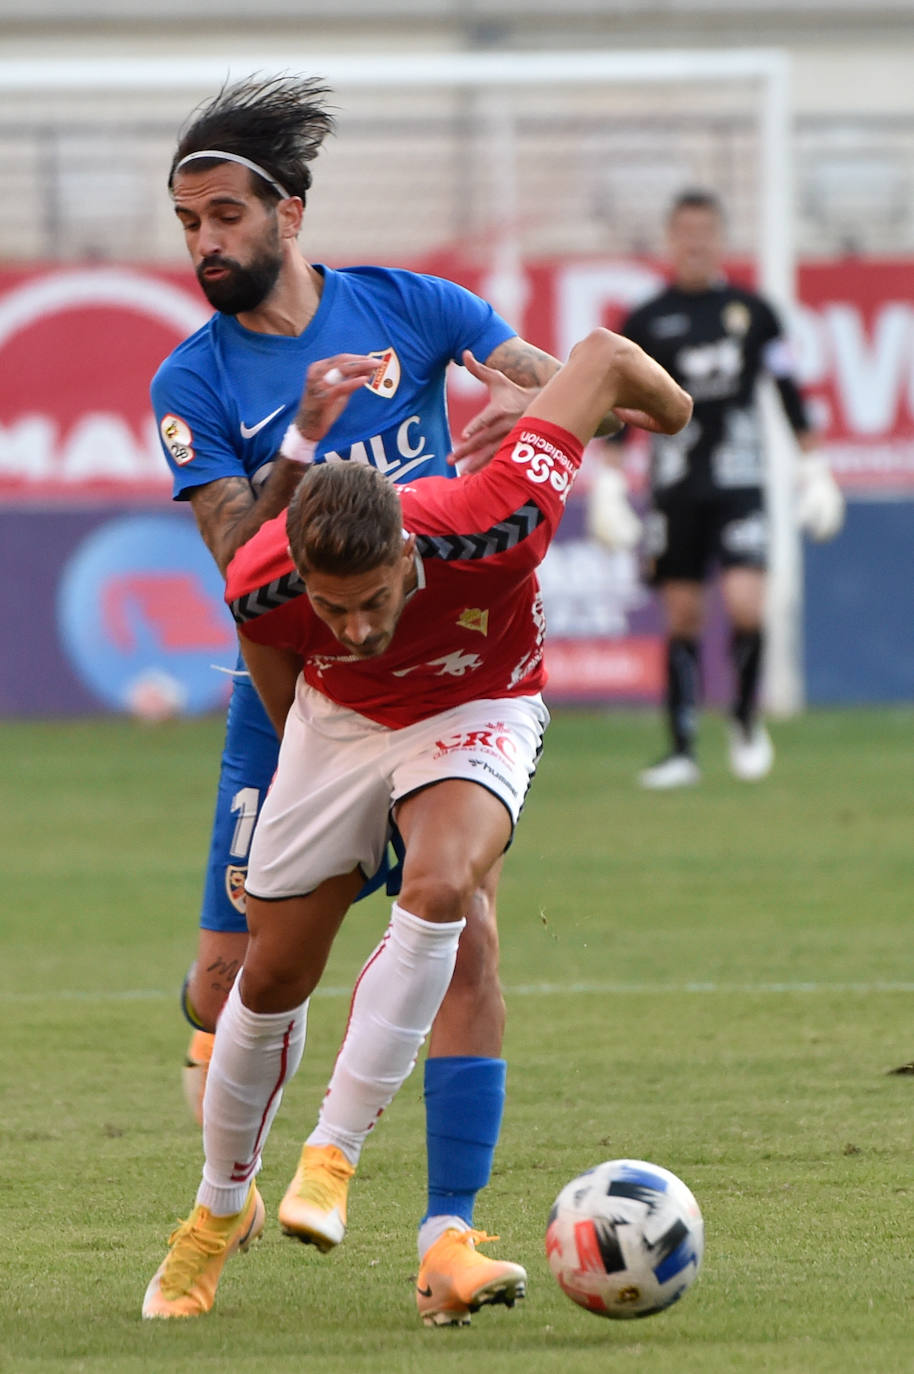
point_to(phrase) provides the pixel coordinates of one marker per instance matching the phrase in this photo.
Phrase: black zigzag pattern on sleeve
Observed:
(263, 599)
(505, 535)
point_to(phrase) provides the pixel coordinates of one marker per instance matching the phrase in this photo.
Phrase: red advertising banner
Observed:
(854, 335)
(852, 331)
(78, 346)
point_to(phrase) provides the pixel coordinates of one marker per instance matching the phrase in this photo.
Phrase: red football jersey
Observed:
(473, 629)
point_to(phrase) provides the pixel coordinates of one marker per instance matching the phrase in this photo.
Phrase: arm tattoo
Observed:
(228, 512)
(522, 363)
(218, 506)
(531, 367)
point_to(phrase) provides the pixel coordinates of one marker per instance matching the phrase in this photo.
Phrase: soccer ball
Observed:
(625, 1239)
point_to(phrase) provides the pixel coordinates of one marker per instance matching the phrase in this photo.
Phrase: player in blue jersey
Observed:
(236, 420)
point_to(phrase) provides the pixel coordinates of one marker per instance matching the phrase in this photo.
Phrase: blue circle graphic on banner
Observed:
(142, 618)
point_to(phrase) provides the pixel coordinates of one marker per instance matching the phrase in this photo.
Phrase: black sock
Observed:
(683, 675)
(746, 652)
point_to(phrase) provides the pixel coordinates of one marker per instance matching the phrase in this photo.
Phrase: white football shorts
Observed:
(340, 776)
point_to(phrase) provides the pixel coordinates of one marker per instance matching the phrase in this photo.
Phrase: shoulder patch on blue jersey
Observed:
(178, 438)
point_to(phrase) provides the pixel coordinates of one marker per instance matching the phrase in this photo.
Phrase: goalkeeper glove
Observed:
(610, 518)
(820, 502)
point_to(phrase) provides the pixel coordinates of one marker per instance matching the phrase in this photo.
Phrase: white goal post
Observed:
(490, 78)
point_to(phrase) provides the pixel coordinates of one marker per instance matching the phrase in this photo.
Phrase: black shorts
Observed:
(689, 531)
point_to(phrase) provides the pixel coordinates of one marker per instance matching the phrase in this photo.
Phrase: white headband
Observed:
(243, 161)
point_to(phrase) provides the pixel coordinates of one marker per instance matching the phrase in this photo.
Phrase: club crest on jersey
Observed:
(472, 618)
(234, 886)
(177, 438)
(736, 317)
(385, 380)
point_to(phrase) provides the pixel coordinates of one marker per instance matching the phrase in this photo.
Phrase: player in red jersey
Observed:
(396, 638)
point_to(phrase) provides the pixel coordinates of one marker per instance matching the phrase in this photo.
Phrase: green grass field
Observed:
(716, 980)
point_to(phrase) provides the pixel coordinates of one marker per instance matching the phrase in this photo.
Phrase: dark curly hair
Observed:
(279, 122)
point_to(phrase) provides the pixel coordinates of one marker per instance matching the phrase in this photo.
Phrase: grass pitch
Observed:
(716, 980)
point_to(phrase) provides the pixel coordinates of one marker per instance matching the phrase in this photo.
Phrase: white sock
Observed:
(434, 1228)
(254, 1056)
(394, 1003)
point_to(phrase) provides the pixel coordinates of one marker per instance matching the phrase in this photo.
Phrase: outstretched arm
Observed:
(515, 373)
(607, 372)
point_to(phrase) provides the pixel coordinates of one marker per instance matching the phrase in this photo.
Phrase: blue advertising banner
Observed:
(120, 609)
(859, 609)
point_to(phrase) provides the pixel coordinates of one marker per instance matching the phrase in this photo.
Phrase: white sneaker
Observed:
(752, 755)
(677, 770)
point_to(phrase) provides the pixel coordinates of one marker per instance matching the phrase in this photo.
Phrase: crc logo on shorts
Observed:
(386, 379)
(493, 739)
(234, 886)
(177, 438)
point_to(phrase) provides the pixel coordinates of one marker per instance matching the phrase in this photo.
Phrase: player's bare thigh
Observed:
(454, 831)
(290, 941)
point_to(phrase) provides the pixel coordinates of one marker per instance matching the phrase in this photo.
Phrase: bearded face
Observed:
(232, 287)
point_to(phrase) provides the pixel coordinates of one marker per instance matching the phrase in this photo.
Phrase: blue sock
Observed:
(464, 1100)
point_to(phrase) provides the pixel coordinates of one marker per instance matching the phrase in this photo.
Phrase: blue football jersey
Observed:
(225, 397)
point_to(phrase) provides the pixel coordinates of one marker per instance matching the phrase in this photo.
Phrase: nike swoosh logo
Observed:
(249, 432)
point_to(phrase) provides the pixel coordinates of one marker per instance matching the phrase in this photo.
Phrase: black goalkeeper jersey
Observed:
(717, 343)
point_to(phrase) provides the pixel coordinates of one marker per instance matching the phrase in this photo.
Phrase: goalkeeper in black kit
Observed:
(707, 507)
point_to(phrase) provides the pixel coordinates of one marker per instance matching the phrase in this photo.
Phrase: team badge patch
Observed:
(177, 438)
(386, 379)
(736, 317)
(472, 618)
(234, 886)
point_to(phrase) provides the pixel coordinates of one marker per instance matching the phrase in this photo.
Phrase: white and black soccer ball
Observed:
(625, 1239)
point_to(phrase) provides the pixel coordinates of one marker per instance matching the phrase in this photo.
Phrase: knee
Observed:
(271, 985)
(685, 623)
(745, 620)
(203, 996)
(437, 896)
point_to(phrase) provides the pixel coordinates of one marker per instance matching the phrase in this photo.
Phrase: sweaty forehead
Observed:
(224, 181)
